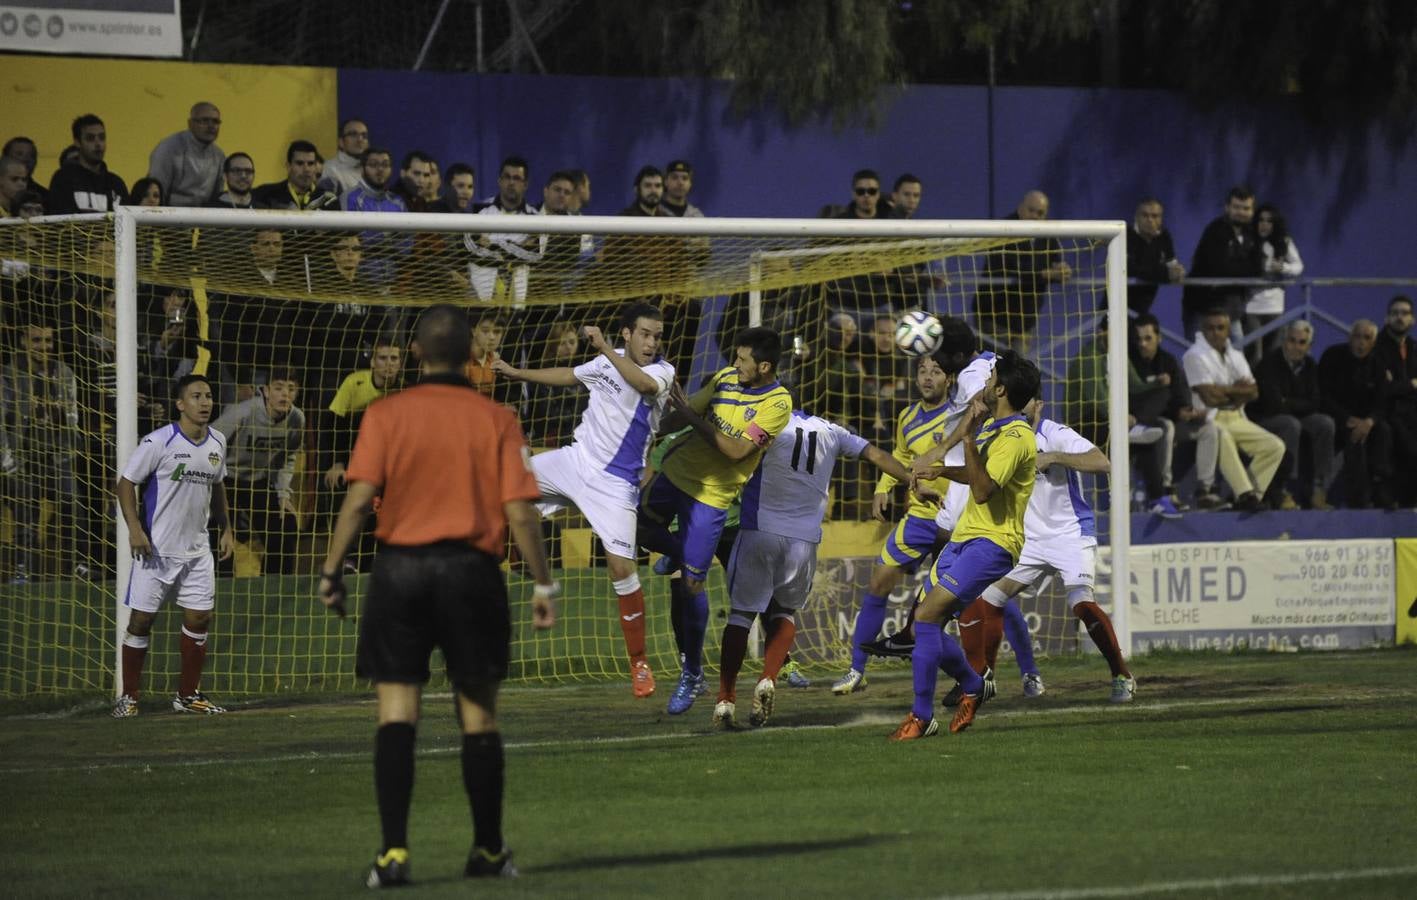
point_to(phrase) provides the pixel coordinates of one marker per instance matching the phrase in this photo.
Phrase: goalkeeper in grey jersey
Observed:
(263, 435)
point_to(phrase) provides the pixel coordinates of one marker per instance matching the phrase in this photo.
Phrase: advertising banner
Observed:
(1281, 595)
(107, 27)
(1406, 591)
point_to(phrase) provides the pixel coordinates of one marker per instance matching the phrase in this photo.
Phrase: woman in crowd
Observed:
(1280, 261)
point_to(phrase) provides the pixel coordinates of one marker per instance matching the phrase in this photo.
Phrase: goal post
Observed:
(823, 283)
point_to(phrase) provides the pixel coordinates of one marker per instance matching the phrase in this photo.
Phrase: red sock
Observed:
(907, 631)
(993, 633)
(781, 633)
(133, 666)
(1099, 628)
(971, 634)
(194, 655)
(730, 660)
(632, 623)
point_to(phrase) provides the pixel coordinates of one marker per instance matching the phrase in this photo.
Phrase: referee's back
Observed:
(446, 459)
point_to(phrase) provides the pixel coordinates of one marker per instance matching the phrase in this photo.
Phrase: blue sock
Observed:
(696, 616)
(868, 626)
(1016, 630)
(678, 602)
(955, 664)
(925, 661)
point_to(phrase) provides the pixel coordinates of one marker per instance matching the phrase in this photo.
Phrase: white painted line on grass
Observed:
(1196, 884)
(865, 720)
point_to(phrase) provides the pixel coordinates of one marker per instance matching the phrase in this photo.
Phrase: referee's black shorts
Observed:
(446, 595)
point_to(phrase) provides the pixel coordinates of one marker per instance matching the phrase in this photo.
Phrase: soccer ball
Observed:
(918, 333)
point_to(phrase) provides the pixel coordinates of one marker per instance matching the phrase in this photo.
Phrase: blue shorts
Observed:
(912, 538)
(966, 569)
(700, 525)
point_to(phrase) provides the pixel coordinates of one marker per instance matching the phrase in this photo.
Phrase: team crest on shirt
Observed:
(749, 413)
(939, 437)
(214, 458)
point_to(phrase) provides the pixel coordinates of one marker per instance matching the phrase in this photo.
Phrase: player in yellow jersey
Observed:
(920, 427)
(999, 463)
(734, 418)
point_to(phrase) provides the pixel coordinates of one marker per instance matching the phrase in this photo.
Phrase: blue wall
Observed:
(1347, 192)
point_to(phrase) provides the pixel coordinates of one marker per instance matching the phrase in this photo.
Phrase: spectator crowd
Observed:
(1266, 423)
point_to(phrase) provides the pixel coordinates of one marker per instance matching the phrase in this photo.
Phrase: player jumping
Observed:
(985, 545)
(734, 417)
(600, 471)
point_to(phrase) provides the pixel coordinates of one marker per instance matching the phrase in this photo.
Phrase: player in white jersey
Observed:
(599, 472)
(1060, 540)
(180, 468)
(775, 554)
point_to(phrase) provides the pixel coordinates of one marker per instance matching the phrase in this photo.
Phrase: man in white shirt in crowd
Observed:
(1221, 381)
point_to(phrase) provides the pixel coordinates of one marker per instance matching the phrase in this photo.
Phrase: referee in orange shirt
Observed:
(453, 471)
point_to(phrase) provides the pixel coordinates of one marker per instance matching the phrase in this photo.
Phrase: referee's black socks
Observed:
(483, 765)
(393, 780)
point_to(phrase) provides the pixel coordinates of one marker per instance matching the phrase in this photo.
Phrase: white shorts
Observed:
(1074, 562)
(766, 567)
(955, 499)
(155, 580)
(607, 501)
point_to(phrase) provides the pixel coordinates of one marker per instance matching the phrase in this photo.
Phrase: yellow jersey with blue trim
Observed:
(918, 429)
(1009, 449)
(756, 414)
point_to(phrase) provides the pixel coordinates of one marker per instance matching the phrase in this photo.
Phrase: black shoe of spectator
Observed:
(1208, 501)
(1250, 502)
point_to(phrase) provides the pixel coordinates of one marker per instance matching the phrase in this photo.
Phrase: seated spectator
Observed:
(298, 190)
(1180, 422)
(888, 381)
(678, 181)
(252, 331)
(148, 192)
(1351, 381)
(906, 194)
(462, 187)
(418, 183)
(14, 181)
(29, 204)
(1279, 259)
(1221, 380)
(25, 150)
(581, 198)
(342, 174)
(339, 337)
(339, 424)
(1397, 356)
(263, 436)
(240, 173)
(373, 194)
(85, 185)
(1151, 256)
(865, 197)
(554, 410)
(189, 163)
(1015, 281)
(500, 260)
(1289, 406)
(173, 349)
(488, 327)
(1086, 408)
(39, 432)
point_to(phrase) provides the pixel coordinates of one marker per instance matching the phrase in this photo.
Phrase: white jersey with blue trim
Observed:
(615, 432)
(787, 495)
(970, 381)
(175, 478)
(1057, 509)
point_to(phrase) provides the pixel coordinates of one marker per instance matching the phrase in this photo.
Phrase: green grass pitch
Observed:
(1244, 775)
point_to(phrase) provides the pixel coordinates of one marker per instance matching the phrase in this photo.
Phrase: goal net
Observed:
(301, 320)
